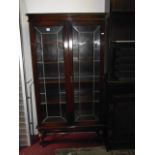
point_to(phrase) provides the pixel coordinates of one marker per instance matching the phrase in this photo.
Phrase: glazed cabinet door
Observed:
(87, 75)
(50, 78)
(68, 63)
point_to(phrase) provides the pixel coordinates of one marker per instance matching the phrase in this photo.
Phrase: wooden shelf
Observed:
(54, 81)
(54, 42)
(50, 62)
(85, 60)
(50, 81)
(120, 82)
(87, 101)
(125, 98)
(55, 119)
(86, 81)
(123, 41)
(53, 102)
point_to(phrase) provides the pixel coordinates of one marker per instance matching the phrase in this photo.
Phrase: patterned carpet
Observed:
(92, 151)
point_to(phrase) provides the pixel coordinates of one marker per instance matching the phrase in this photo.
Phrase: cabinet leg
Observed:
(105, 135)
(41, 138)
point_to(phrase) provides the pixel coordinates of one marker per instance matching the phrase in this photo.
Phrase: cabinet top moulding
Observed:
(66, 16)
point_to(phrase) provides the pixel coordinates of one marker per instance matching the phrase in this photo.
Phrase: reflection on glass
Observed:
(86, 56)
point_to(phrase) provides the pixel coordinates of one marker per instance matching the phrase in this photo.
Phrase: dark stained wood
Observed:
(68, 21)
(121, 112)
(122, 26)
(39, 18)
(68, 74)
(122, 5)
(119, 82)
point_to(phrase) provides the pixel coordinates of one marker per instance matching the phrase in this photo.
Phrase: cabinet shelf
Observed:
(51, 78)
(43, 93)
(50, 62)
(87, 118)
(50, 102)
(51, 81)
(56, 102)
(53, 119)
(76, 79)
(87, 101)
(123, 98)
(123, 41)
(85, 60)
(82, 77)
(56, 81)
(85, 97)
(55, 42)
(94, 91)
(86, 81)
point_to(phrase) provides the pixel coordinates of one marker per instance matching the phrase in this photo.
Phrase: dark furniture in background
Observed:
(122, 6)
(120, 77)
(68, 66)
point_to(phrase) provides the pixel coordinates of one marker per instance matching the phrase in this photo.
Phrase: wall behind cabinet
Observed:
(57, 6)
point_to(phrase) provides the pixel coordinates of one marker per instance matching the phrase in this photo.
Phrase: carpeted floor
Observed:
(92, 151)
(63, 141)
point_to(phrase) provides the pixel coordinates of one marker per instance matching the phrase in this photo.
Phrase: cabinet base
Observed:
(45, 130)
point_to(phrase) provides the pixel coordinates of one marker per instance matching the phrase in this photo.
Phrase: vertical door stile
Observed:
(65, 67)
(70, 55)
(68, 72)
(102, 37)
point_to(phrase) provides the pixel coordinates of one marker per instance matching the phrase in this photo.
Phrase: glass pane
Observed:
(86, 49)
(50, 68)
(50, 46)
(86, 68)
(85, 45)
(97, 44)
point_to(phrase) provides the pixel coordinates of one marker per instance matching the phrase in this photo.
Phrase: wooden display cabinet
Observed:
(68, 68)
